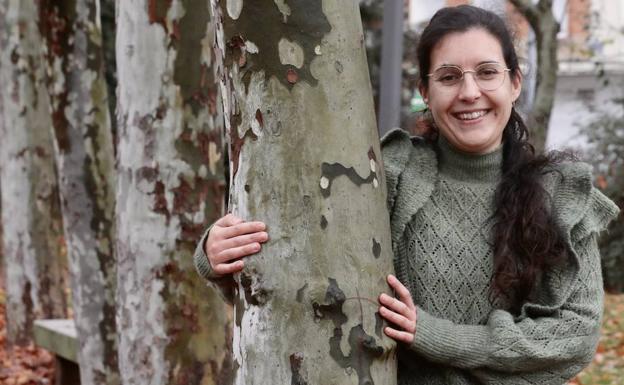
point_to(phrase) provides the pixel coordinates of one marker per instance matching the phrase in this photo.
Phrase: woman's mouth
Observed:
(472, 115)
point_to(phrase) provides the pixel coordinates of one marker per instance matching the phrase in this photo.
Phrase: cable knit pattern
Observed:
(441, 204)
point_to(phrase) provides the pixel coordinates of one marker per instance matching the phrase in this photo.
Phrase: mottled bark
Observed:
(546, 27)
(305, 159)
(173, 330)
(107, 17)
(84, 153)
(31, 213)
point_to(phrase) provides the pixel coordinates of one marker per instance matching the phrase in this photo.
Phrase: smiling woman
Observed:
(498, 274)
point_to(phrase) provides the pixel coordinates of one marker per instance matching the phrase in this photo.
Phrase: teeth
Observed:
(471, 115)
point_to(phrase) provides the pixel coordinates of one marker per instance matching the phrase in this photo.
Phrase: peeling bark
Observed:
(31, 213)
(170, 187)
(305, 160)
(84, 153)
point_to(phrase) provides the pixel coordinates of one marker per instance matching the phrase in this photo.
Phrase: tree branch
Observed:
(529, 10)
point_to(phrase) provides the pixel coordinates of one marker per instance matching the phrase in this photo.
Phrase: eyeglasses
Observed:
(488, 76)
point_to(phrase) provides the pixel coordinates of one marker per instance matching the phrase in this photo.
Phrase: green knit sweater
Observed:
(440, 204)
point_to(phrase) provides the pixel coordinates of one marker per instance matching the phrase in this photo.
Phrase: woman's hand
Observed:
(230, 239)
(400, 312)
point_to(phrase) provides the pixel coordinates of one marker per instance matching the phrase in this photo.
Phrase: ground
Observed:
(22, 366)
(33, 366)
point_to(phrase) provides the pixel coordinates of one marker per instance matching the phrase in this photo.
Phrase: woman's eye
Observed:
(487, 72)
(449, 77)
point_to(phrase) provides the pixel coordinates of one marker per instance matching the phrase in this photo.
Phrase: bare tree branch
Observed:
(529, 10)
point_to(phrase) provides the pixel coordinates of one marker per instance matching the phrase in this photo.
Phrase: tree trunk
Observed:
(84, 153)
(30, 207)
(546, 27)
(305, 159)
(173, 330)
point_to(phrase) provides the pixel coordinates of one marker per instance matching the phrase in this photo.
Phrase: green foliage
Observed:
(606, 152)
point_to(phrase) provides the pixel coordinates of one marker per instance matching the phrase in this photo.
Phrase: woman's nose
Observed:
(469, 89)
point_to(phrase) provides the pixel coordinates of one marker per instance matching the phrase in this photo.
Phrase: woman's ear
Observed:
(423, 92)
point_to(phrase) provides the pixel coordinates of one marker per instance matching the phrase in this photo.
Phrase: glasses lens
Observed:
(448, 76)
(489, 76)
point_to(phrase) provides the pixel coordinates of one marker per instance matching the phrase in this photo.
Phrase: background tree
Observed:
(305, 160)
(172, 329)
(543, 22)
(85, 159)
(31, 214)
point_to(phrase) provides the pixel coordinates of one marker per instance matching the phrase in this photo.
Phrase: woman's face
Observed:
(470, 118)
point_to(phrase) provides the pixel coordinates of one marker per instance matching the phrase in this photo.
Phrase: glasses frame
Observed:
(473, 71)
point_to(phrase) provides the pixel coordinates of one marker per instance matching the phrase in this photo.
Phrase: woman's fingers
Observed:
(228, 220)
(229, 268)
(236, 252)
(394, 305)
(401, 291)
(399, 335)
(397, 319)
(241, 229)
(243, 240)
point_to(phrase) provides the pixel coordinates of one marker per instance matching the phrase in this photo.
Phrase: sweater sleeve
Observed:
(553, 338)
(556, 346)
(396, 146)
(224, 284)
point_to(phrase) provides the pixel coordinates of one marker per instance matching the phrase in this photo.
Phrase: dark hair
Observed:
(526, 240)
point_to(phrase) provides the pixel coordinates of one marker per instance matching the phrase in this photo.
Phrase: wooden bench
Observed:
(59, 336)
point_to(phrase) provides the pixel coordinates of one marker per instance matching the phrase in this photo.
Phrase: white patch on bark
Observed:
(214, 156)
(234, 8)
(251, 47)
(317, 50)
(253, 99)
(324, 182)
(138, 77)
(283, 8)
(290, 53)
(373, 165)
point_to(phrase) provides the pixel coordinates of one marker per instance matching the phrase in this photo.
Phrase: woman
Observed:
(498, 272)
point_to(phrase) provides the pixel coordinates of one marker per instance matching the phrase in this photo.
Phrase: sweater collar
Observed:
(469, 167)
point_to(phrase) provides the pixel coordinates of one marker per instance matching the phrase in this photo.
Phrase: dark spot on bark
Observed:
(364, 348)
(371, 154)
(296, 361)
(334, 170)
(300, 293)
(148, 174)
(247, 188)
(323, 222)
(259, 118)
(378, 324)
(237, 145)
(376, 248)
(292, 76)
(183, 201)
(157, 11)
(339, 67)
(160, 202)
(255, 293)
(196, 80)
(306, 25)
